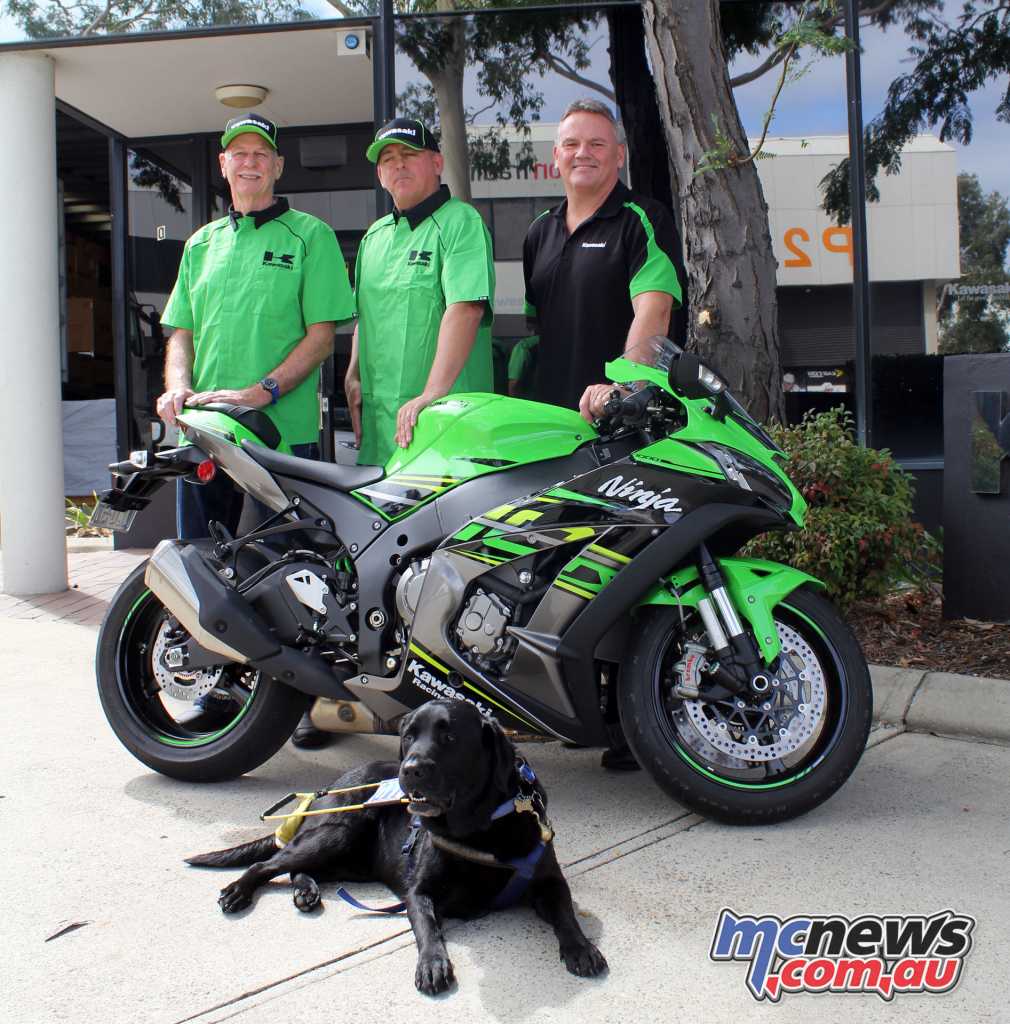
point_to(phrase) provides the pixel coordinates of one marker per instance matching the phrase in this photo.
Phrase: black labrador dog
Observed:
(474, 837)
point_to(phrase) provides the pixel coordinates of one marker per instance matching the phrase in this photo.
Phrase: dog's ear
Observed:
(502, 755)
(404, 726)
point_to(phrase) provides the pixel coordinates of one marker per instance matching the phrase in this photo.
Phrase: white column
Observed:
(31, 420)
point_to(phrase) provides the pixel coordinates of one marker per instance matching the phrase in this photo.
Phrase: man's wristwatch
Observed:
(269, 384)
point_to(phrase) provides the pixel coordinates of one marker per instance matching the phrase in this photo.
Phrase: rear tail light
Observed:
(206, 471)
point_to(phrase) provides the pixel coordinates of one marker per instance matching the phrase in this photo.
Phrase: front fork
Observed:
(737, 667)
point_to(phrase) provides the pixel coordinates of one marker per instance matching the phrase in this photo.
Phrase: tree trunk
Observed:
(723, 214)
(447, 81)
(648, 167)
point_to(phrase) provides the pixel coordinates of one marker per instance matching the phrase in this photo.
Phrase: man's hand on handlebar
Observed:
(595, 399)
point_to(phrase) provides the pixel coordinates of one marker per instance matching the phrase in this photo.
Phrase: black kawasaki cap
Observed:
(249, 123)
(407, 132)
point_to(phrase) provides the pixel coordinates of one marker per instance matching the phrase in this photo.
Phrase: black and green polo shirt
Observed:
(579, 287)
(410, 266)
(248, 288)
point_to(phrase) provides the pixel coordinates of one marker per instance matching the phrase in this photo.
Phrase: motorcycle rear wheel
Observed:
(169, 735)
(690, 749)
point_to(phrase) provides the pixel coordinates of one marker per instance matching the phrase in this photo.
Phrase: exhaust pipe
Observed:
(346, 716)
(219, 619)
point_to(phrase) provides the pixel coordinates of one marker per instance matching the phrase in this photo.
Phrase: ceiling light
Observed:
(241, 95)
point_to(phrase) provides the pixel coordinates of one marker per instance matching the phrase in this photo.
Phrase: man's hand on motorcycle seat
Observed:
(170, 404)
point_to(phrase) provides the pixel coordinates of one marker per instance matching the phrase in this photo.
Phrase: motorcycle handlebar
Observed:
(627, 410)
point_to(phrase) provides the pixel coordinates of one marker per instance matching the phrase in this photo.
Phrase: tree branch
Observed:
(826, 24)
(567, 71)
(98, 19)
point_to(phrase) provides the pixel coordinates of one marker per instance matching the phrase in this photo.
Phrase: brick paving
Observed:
(94, 573)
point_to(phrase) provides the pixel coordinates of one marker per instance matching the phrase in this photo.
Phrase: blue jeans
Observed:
(197, 504)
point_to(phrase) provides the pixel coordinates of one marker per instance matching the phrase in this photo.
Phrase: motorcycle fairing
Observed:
(584, 536)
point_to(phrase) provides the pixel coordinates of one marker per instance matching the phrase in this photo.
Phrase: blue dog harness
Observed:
(526, 801)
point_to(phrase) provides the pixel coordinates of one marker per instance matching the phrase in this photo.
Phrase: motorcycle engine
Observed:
(480, 629)
(480, 626)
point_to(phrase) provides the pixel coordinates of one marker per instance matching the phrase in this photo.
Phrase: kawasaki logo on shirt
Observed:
(285, 261)
(419, 257)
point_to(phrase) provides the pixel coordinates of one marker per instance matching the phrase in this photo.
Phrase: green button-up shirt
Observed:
(410, 266)
(248, 288)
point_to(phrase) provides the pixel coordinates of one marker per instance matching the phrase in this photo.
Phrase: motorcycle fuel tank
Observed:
(465, 436)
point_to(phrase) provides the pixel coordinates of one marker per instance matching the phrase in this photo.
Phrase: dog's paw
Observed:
(584, 959)
(306, 896)
(233, 898)
(433, 974)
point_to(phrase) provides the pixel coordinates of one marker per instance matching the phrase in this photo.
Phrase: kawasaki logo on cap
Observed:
(403, 130)
(249, 123)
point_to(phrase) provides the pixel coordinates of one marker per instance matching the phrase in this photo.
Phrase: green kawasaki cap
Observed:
(407, 132)
(249, 123)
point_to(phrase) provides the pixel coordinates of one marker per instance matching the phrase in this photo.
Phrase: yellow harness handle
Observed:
(293, 821)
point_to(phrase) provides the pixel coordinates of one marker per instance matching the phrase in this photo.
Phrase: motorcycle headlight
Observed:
(749, 474)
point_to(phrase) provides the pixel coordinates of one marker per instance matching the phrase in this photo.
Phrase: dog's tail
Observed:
(238, 856)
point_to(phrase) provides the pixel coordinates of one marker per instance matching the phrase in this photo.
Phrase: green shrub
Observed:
(859, 537)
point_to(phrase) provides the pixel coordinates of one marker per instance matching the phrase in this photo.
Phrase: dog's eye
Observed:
(408, 737)
(448, 737)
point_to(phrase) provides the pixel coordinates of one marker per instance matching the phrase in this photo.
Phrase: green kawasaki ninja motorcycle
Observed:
(560, 577)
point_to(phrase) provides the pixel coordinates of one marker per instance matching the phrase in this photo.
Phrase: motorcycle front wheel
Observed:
(203, 725)
(750, 761)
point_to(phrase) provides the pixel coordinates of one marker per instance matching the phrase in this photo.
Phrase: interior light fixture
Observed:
(241, 95)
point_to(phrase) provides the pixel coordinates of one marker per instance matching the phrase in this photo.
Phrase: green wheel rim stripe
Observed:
(136, 605)
(203, 740)
(738, 785)
(813, 625)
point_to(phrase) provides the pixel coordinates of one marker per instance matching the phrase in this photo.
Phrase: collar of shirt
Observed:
(259, 217)
(416, 214)
(611, 207)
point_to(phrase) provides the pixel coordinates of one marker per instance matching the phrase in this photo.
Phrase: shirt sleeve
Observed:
(326, 291)
(178, 310)
(652, 252)
(468, 263)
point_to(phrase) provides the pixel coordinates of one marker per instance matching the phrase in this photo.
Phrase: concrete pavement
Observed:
(96, 841)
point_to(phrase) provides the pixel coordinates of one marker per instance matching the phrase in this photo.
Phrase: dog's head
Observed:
(456, 763)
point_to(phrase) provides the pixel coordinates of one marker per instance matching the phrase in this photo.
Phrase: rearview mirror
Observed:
(685, 376)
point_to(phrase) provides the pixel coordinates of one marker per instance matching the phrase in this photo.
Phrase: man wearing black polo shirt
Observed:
(598, 268)
(599, 277)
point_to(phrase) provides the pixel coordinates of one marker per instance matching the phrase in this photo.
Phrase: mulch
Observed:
(908, 630)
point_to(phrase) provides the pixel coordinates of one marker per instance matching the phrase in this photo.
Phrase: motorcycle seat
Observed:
(336, 477)
(252, 419)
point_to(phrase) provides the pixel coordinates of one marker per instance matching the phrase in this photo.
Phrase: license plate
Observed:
(109, 518)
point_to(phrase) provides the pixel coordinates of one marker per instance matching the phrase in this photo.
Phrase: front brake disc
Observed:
(775, 727)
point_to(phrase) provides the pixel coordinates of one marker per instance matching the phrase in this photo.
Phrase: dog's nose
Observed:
(415, 769)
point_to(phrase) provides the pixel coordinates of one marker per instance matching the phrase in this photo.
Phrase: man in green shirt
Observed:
(424, 287)
(253, 312)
